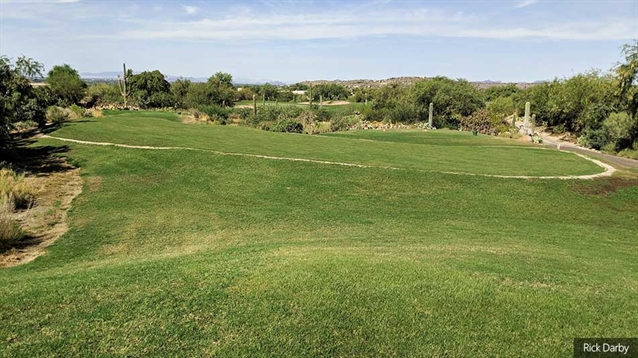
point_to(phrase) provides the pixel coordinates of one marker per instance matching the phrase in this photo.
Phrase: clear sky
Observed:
(525, 40)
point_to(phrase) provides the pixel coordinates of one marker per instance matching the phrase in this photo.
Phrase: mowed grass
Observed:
(175, 253)
(438, 151)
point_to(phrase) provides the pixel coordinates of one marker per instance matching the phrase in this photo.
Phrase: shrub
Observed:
(287, 125)
(401, 113)
(10, 231)
(14, 189)
(322, 115)
(216, 113)
(78, 112)
(594, 138)
(620, 127)
(58, 115)
(25, 126)
(243, 113)
(343, 123)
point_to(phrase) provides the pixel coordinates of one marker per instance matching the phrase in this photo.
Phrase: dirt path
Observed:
(609, 170)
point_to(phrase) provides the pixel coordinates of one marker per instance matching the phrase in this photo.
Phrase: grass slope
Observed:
(193, 254)
(434, 151)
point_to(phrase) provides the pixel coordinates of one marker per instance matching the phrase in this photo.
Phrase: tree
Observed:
(29, 68)
(268, 91)
(452, 99)
(66, 85)
(627, 74)
(218, 90)
(150, 89)
(18, 100)
(179, 90)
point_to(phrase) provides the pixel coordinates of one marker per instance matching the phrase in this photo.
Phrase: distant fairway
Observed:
(193, 253)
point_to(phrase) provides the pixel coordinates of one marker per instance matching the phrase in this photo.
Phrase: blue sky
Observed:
(291, 40)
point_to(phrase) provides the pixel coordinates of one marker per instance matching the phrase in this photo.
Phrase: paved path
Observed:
(609, 170)
(548, 142)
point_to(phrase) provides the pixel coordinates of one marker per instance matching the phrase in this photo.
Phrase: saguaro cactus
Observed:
(527, 110)
(121, 84)
(310, 95)
(430, 113)
(254, 104)
(533, 123)
(514, 118)
(320, 100)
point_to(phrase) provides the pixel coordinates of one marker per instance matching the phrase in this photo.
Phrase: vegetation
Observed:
(66, 85)
(194, 253)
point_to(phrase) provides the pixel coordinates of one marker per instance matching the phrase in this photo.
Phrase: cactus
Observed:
(431, 112)
(533, 123)
(527, 110)
(310, 96)
(263, 97)
(121, 84)
(320, 101)
(254, 104)
(276, 102)
(514, 118)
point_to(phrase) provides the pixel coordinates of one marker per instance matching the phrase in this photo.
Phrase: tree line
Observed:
(598, 108)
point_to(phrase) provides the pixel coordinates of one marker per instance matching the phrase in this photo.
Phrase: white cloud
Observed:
(416, 22)
(525, 3)
(191, 10)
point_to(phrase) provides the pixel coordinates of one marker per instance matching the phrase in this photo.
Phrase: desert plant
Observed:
(10, 231)
(16, 190)
(58, 115)
(594, 138)
(287, 125)
(77, 111)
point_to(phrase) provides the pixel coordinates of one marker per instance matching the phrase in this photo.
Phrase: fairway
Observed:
(232, 248)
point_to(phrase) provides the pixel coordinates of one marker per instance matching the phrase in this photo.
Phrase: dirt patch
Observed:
(47, 220)
(94, 183)
(603, 186)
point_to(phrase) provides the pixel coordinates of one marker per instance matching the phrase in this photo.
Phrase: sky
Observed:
(290, 41)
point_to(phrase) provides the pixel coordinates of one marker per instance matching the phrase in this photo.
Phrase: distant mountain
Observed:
(363, 83)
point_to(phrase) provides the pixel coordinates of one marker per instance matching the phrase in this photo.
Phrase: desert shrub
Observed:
(25, 126)
(401, 113)
(58, 115)
(621, 128)
(243, 113)
(322, 115)
(287, 125)
(629, 153)
(216, 113)
(594, 138)
(343, 123)
(78, 112)
(14, 189)
(484, 122)
(96, 113)
(10, 231)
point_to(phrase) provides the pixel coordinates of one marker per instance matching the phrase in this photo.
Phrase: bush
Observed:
(78, 112)
(243, 113)
(343, 123)
(10, 231)
(322, 115)
(216, 113)
(401, 113)
(25, 126)
(593, 138)
(15, 190)
(287, 125)
(620, 128)
(58, 115)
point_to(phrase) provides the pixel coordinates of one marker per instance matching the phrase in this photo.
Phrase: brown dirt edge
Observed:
(45, 222)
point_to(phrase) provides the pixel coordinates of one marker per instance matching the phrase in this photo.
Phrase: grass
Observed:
(196, 254)
(441, 151)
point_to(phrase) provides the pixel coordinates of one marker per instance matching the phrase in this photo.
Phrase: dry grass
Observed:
(15, 190)
(10, 230)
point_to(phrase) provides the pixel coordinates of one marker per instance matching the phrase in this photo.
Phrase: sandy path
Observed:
(609, 170)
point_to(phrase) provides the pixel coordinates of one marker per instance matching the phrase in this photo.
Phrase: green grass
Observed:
(196, 254)
(438, 150)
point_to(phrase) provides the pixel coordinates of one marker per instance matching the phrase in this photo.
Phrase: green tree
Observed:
(19, 101)
(29, 68)
(179, 90)
(150, 89)
(627, 74)
(66, 85)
